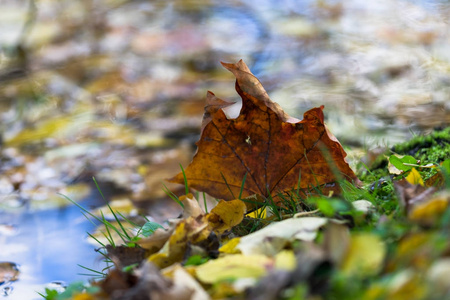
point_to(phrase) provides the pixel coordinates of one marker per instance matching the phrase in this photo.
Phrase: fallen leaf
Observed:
(230, 246)
(232, 267)
(271, 239)
(226, 215)
(415, 250)
(285, 260)
(146, 282)
(191, 206)
(439, 273)
(191, 230)
(363, 206)
(401, 164)
(156, 241)
(411, 194)
(310, 268)
(406, 285)
(9, 271)
(430, 211)
(183, 280)
(336, 242)
(365, 255)
(414, 177)
(123, 256)
(195, 233)
(260, 213)
(83, 296)
(403, 285)
(263, 142)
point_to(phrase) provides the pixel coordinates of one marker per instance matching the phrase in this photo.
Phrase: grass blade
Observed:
(299, 181)
(186, 186)
(172, 195)
(204, 202)
(96, 273)
(242, 185)
(120, 223)
(226, 183)
(98, 188)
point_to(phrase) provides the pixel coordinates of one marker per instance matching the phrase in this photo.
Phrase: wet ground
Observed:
(115, 89)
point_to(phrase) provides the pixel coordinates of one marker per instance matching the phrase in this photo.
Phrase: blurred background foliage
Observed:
(115, 88)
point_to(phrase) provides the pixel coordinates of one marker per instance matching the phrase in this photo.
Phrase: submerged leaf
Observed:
(9, 271)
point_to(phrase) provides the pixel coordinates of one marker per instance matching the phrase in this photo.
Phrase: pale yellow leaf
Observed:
(285, 260)
(429, 212)
(365, 255)
(230, 246)
(271, 239)
(232, 267)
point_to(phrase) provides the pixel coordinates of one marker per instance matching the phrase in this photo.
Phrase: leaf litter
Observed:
(337, 244)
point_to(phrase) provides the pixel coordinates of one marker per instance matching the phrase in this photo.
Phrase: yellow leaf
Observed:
(375, 291)
(403, 286)
(285, 260)
(414, 177)
(365, 255)
(226, 215)
(191, 230)
(429, 212)
(174, 248)
(224, 290)
(83, 296)
(407, 285)
(410, 245)
(232, 267)
(260, 213)
(230, 247)
(414, 250)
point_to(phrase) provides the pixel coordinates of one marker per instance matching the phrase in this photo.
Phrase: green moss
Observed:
(432, 148)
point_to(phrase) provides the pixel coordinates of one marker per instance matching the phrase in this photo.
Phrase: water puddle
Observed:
(44, 249)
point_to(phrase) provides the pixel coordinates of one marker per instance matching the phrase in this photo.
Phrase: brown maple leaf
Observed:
(264, 144)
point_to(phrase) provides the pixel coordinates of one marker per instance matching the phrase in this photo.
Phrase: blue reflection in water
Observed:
(48, 247)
